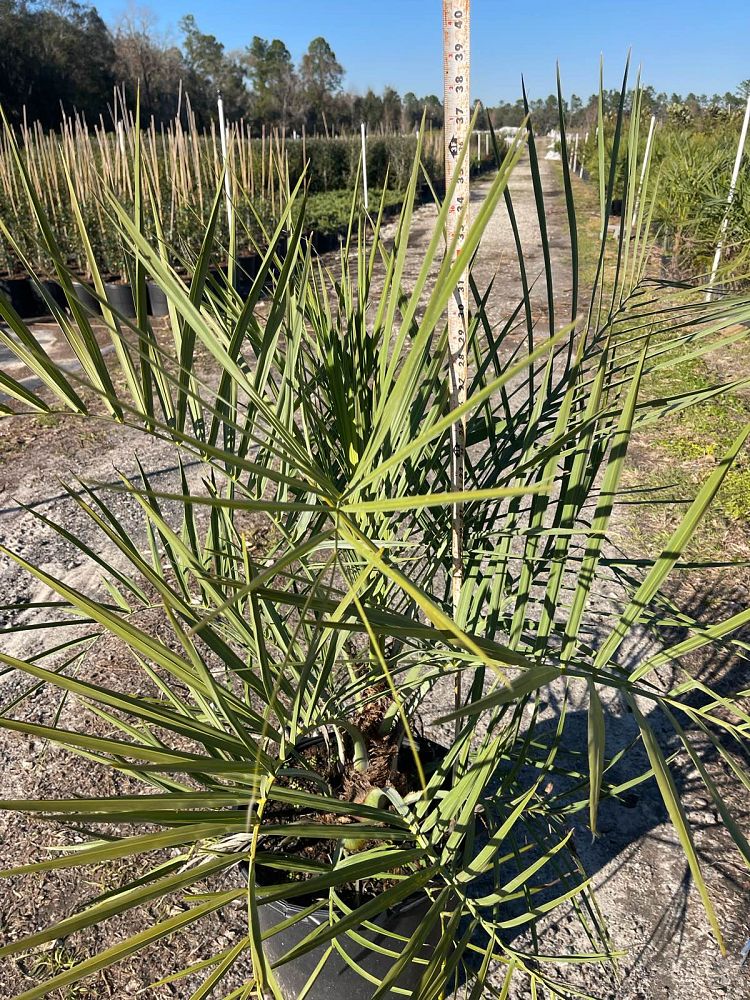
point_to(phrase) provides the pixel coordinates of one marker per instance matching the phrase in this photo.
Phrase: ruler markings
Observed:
(456, 103)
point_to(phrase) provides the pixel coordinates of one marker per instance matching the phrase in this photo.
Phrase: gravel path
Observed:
(644, 892)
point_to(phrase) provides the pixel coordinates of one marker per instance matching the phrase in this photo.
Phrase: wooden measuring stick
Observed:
(456, 102)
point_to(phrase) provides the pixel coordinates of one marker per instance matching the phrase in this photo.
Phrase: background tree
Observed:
(146, 60)
(411, 112)
(433, 110)
(274, 81)
(59, 56)
(205, 55)
(41, 64)
(391, 120)
(17, 71)
(371, 110)
(321, 75)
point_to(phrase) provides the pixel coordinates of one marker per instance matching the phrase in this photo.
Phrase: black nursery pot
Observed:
(325, 242)
(245, 273)
(55, 292)
(337, 979)
(120, 297)
(23, 297)
(157, 300)
(88, 300)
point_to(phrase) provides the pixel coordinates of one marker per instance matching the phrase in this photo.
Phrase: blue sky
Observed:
(682, 45)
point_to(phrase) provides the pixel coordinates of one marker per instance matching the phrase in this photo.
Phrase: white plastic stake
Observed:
(227, 183)
(575, 155)
(456, 101)
(730, 199)
(644, 168)
(364, 165)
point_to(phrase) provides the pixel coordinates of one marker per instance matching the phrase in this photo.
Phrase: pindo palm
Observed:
(290, 757)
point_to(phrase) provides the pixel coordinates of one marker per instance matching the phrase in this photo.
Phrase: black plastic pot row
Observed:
(30, 303)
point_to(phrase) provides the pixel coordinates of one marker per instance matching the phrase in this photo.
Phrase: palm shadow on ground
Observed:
(634, 824)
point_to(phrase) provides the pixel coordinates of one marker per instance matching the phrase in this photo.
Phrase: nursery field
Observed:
(251, 740)
(74, 176)
(693, 163)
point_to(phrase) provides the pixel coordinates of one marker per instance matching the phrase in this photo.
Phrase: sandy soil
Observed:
(645, 893)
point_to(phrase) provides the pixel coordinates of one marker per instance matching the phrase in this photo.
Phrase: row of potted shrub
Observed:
(327, 217)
